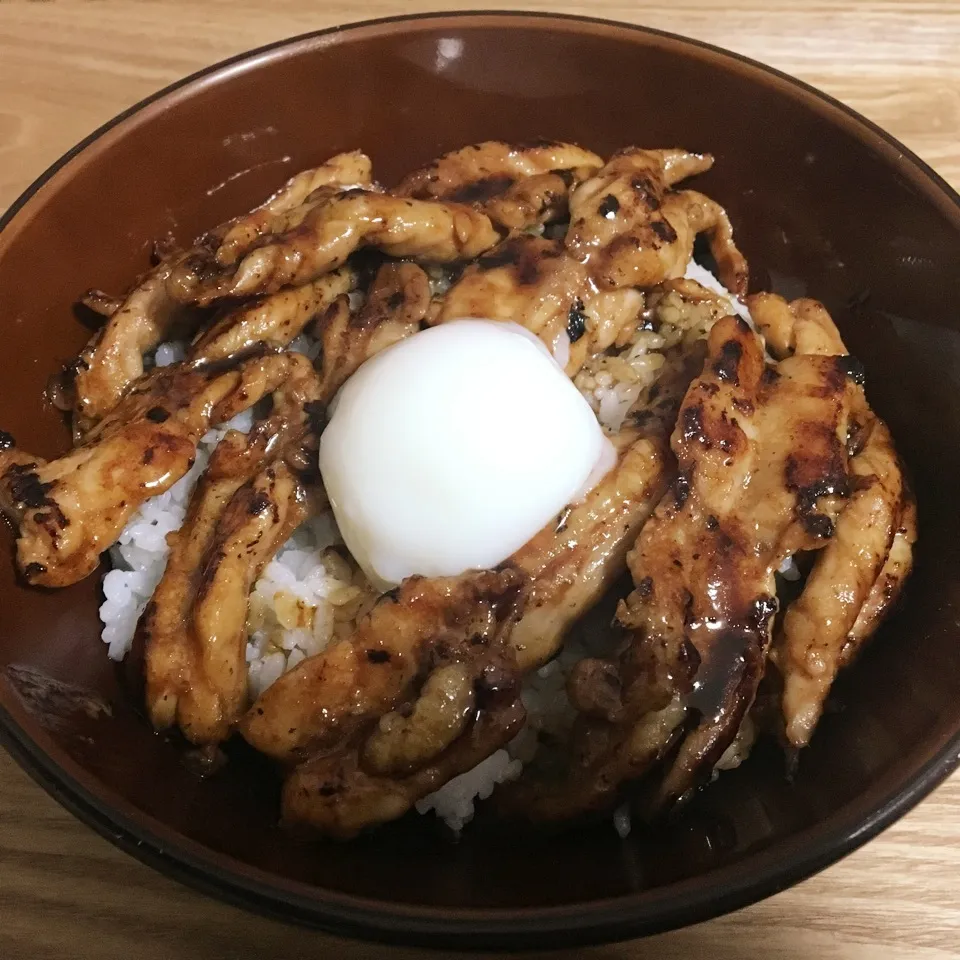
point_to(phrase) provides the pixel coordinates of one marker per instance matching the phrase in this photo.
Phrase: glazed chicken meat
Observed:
(752, 524)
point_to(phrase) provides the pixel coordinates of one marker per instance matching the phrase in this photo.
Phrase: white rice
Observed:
(454, 802)
(308, 595)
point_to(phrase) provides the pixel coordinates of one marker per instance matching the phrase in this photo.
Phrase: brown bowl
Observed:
(824, 203)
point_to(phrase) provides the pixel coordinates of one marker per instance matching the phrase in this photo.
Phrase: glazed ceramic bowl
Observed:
(823, 203)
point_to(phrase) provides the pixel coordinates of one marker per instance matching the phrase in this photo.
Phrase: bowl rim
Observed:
(754, 877)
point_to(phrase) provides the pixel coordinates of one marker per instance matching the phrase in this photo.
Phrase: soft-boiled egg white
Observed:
(449, 450)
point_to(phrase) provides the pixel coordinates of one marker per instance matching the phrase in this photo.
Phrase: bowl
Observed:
(823, 203)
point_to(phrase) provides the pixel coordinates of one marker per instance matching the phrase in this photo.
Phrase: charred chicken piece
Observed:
(483, 171)
(98, 378)
(69, 510)
(333, 229)
(534, 282)
(338, 796)
(802, 326)
(275, 319)
(573, 562)
(535, 201)
(397, 302)
(518, 186)
(525, 280)
(329, 698)
(248, 501)
(345, 170)
(469, 708)
(858, 575)
(630, 230)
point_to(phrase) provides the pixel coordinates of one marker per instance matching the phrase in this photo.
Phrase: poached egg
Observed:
(449, 450)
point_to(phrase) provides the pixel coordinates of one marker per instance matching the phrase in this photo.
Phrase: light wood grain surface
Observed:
(66, 67)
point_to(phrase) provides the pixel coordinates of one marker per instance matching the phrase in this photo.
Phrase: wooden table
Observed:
(66, 67)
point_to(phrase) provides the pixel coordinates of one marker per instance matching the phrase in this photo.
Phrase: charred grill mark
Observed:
(664, 231)
(316, 415)
(26, 489)
(53, 520)
(202, 267)
(576, 321)
(770, 376)
(811, 478)
(727, 433)
(481, 190)
(689, 617)
(528, 270)
(148, 456)
(504, 256)
(609, 207)
(744, 406)
(817, 525)
(644, 589)
(727, 367)
(646, 190)
(259, 504)
(820, 471)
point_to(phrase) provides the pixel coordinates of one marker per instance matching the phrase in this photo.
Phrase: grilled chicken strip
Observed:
(113, 359)
(762, 471)
(630, 231)
(525, 280)
(70, 510)
(532, 281)
(333, 229)
(248, 501)
(541, 199)
(517, 186)
(275, 319)
(886, 590)
(859, 573)
(479, 172)
(802, 326)
(572, 563)
(326, 699)
(345, 170)
(338, 797)
(397, 302)
(818, 623)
